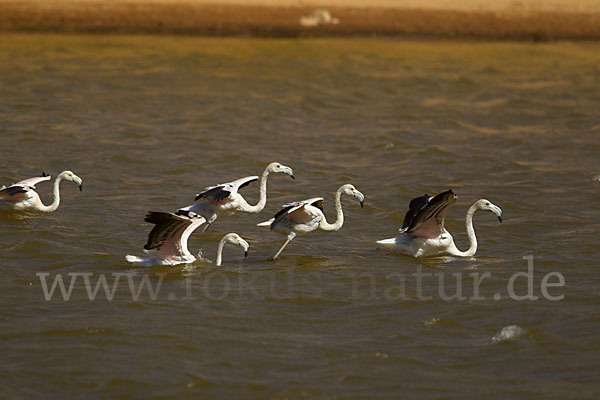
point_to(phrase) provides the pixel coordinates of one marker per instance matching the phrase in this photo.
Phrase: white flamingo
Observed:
(22, 195)
(307, 216)
(167, 242)
(224, 199)
(423, 227)
(319, 17)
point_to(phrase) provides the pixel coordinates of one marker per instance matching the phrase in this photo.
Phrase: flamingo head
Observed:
(70, 176)
(350, 190)
(236, 239)
(484, 204)
(277, 167)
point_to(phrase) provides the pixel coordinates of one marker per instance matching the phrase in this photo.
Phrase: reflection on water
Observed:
(148, 121)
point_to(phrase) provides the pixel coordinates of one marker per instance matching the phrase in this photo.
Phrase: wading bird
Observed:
(319, 17)
(167, 242)
(307, 216)
(22, 195)
(224, 199)
(423, 232)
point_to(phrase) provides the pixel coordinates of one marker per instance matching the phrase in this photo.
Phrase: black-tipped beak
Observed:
(293, 177)
(500, 219)
(197, 197)
(246, 253)
(362, 204)
(81, 188)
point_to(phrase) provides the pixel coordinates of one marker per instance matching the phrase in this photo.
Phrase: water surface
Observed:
(148, 121)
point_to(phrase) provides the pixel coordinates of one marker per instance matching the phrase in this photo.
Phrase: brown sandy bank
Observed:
(282, 18)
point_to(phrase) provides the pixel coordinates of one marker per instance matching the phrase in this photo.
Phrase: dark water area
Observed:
(148, 121)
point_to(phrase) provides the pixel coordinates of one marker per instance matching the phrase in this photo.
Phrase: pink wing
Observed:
(16, 193)
(433, 227)
(171, 246)
(23, 190)
(31, 182)
(296, 212)
(166, 236)
(305, 214)
(300, 215)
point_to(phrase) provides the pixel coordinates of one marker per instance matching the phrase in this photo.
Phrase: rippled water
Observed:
(147, 121)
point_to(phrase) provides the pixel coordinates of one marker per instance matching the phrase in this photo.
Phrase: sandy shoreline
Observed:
(269, 18)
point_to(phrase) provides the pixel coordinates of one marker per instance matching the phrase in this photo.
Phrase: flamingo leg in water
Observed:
(281, 248)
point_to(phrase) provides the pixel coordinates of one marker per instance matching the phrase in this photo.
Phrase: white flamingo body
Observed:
(423, 229)
(224, 199)
(22, 195)
(307, 216)
(420, 247)
(167, 242)
(297, 217)
(318, 17)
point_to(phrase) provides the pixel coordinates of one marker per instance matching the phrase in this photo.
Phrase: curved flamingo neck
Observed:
(471, 234)
(183, 241)
(220, 251)
(262, 202)
(339, 221)
(56, 202)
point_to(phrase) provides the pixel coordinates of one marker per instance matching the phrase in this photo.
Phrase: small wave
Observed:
(441, 322)
(510, 332)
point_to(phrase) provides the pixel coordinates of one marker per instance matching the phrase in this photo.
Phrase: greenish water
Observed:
(147, 121)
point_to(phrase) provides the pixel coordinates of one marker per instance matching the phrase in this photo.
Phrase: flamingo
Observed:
(167, 241)
(224, 199)
(22, 195)
(319, 17)
(307, 216)
(423, 232)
